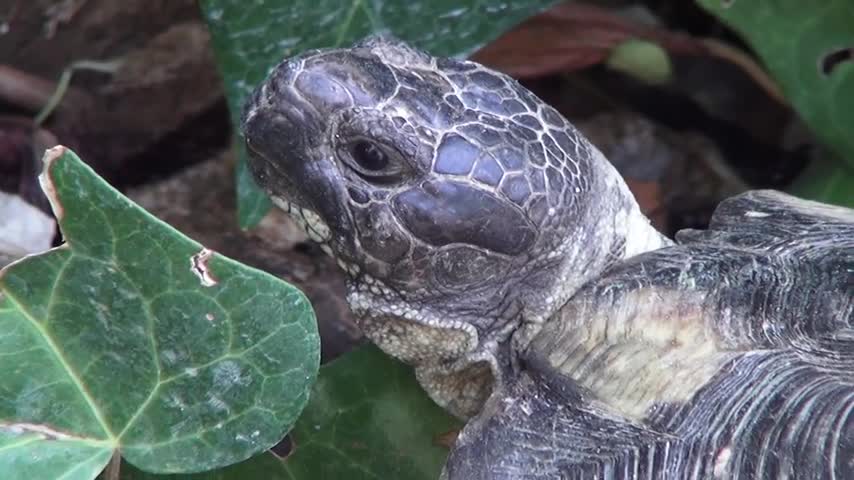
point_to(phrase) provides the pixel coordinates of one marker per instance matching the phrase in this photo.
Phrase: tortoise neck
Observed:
(630, 229)
(611, 228)
(614, 229)
(641, 236)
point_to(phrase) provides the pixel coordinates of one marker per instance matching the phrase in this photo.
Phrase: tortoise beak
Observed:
(288, 154)
(288, 124)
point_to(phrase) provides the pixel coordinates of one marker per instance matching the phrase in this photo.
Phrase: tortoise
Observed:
(491, 246)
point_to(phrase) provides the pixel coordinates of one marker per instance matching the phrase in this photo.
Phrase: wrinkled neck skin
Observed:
(459, 365)
(611, 229)
(614, 230)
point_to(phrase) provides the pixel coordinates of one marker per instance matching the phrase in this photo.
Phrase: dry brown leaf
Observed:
(572, 36)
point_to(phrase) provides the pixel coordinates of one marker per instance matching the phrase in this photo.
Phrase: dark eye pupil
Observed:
(369, 156)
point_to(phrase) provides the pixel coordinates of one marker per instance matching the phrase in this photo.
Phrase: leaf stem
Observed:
(114, 468)
(109, 66)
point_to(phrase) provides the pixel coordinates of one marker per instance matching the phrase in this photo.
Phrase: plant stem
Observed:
(109, 66)
(114, 468)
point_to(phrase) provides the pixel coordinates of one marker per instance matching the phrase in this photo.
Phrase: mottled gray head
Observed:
(456, 200)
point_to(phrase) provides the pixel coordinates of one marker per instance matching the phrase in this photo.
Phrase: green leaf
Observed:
(796, 40)
(252, 202)
(827, 180)
(643, 60)
(250, 38)
(29, 456)
(367, 418)
(260, 467)
(126, 338)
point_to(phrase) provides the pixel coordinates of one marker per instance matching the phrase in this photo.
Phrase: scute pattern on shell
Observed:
(774, 277)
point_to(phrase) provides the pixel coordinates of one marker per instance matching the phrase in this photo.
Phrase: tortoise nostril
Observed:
(357, 195)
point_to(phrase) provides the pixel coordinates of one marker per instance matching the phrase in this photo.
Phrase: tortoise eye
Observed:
(369, 156)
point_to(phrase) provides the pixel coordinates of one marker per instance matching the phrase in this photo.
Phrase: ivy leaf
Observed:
(133, 338)
(809, 49)
(826, 179)
(367, 418)
(250, 38)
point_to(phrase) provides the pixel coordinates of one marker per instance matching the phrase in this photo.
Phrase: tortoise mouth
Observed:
(317, 229)
(282, 191)
(308, 220)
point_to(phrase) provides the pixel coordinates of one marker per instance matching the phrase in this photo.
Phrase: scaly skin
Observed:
(491, 246)
(492, 211)
(730, 355)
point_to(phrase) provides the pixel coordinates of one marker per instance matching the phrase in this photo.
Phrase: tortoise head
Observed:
(457, 202)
